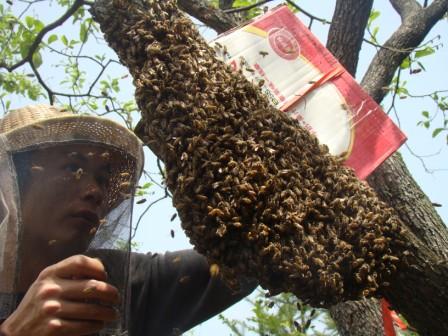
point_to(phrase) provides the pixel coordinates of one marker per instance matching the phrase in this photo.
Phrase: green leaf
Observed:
(64, 40)
(406, 63)
(374, 14)
(83, 33)
(147, 185)
(52, 38)
(115, 85)
(424, 52)
(425, 114)
(39, 25)
(29, 20)
(436, 132)
(37, 59)
(426, 124)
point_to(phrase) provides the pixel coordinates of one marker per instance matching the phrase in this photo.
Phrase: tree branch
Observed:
(407, 37)
(225, 4)
(77, 4)
(405, 7)
(204, 12)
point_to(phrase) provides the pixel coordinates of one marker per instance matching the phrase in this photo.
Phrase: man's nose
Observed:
(93, 193)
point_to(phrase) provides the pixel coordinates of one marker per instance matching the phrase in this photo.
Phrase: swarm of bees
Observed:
(256, 192)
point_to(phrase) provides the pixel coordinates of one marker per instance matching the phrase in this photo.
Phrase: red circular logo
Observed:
(284, 43)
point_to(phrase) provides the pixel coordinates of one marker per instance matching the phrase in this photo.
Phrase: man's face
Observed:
(64, 200)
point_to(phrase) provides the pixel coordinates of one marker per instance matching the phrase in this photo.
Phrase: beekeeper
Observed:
(67, 184)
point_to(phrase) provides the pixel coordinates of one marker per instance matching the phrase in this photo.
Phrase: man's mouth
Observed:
(89, 216)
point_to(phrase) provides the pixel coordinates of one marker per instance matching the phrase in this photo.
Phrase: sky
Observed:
(154, 232)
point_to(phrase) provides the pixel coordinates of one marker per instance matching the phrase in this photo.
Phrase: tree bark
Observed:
(212, 17)
(355, 318)
(345, 37)
(412, 205)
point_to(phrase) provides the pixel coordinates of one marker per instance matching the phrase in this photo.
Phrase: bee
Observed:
(319, 262)
(92, 231)
(125, 175)
(37, 168)
(102, 221)
(143, 200)
(201, 197)
(246, 200)
(78, 174)
(173, 217)
(358, 262)
(184, 156)
(214, 270)
(263, 53)
(216, 213)
(105, 155)
(172, 233)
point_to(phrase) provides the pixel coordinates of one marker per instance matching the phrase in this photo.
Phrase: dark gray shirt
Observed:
(173, 292)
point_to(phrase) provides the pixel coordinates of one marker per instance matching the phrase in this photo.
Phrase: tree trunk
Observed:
(347, 31)
(412, 205)
(354, 318)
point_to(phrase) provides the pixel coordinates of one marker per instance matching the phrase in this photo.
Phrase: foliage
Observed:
(436, 122)
(82, 77)
(283, 315)
(441, 103)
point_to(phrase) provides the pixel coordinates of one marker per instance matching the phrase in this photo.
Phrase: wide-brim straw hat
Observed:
(36, 126)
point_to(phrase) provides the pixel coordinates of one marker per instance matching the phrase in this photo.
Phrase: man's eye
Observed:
(72, 167)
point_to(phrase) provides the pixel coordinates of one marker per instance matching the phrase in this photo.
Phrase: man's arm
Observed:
(173, 292)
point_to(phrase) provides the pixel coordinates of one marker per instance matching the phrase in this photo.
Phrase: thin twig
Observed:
(311, 16)
(394, 96)
(428, 94)
(145, 211)
(406, 50)
(245, 8)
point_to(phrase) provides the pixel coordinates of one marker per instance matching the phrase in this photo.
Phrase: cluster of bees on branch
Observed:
(256, 193)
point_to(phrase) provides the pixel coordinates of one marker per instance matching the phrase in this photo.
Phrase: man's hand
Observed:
(70, 298)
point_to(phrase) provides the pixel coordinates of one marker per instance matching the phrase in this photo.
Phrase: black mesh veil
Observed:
(93, 141)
